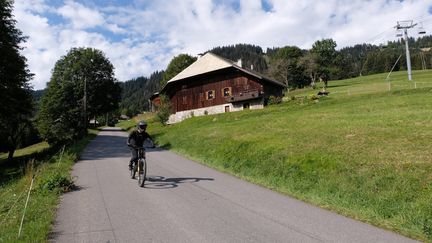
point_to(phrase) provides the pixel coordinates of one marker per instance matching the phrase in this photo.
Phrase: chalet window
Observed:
(184, 100)
(226, 92)
(210, 94)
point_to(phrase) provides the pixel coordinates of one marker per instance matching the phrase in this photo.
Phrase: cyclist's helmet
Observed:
(142, 125)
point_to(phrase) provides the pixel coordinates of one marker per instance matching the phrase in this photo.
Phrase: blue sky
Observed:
(142, 36)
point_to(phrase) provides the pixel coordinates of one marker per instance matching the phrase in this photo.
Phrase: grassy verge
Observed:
(51, 178)
(365, 154)
(127, 125)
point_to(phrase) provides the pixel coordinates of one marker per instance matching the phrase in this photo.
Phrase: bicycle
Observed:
(140, 166)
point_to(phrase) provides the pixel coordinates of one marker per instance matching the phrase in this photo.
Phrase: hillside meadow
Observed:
(363, 151)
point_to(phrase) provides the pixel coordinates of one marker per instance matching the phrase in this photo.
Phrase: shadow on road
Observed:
(106, 146)
(160, 182)
(111, 146)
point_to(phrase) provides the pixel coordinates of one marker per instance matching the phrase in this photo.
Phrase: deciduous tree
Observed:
(285, 66)
(82, 86)
(325, 51)
(177, 64)
(311, 68)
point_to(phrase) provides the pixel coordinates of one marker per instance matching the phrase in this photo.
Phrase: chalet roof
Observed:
(207, 63)
(211, 62)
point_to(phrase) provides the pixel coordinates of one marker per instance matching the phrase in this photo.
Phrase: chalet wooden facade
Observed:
(215, 85)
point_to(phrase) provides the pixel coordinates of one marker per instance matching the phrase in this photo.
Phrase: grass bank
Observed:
(51, 175)
(127, 125)
(364, 154)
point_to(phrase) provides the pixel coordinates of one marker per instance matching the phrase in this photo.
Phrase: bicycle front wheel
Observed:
(142, 172)
(133, 170)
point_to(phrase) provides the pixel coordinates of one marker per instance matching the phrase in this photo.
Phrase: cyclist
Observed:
(136, 139)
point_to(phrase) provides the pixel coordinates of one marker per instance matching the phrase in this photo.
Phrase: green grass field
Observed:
(35, 148)
(363, 151)
(51, 172)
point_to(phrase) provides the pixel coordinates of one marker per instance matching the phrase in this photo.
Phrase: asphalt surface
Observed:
(184, 201)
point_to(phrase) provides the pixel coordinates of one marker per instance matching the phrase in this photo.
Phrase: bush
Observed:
(56, 181)
(273, 100)
(164, 110)
(313, 97)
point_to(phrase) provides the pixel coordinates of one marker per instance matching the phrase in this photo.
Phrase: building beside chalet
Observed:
(213, 85)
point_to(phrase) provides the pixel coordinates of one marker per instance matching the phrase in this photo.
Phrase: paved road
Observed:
(187, 202)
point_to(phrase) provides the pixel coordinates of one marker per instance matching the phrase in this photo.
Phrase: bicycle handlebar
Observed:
(135, 147)
(143, 147)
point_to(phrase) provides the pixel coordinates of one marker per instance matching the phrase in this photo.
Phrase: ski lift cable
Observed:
(427, 25)
(426, 21)
(378, 35)
(420, 19)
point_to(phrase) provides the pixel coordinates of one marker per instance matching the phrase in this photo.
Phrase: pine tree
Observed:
(137, 92)
(15, 92)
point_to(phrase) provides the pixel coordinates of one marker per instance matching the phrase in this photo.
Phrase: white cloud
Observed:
(142, 38)
(41, 45)
(80, 16)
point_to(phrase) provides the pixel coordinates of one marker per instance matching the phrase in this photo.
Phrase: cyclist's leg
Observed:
(134, 157)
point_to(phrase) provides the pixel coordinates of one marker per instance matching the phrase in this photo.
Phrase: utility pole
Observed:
(85, 95)
(85, 103)
(404, 26)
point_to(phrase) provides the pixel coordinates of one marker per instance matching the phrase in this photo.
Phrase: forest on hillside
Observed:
(297, 67)
(136, 93)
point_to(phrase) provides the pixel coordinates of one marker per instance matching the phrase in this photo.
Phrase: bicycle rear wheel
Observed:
(142, 172)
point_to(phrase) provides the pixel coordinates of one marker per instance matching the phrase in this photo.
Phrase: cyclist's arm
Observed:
(129, 139)
(151, 140)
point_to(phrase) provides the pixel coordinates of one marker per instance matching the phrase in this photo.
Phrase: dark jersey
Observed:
(137, 139)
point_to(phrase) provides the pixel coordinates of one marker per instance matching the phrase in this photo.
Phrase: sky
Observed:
(140, 37)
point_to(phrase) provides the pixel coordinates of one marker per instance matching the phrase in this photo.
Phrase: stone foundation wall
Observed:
(181, 115)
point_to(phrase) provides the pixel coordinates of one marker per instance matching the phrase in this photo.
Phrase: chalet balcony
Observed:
(245, 95)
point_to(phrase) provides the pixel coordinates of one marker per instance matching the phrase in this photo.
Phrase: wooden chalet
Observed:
(213, 85)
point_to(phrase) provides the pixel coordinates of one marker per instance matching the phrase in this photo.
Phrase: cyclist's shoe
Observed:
(130, 166)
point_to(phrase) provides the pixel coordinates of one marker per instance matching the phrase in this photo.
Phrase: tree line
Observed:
(136, 93)
(295, 67)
